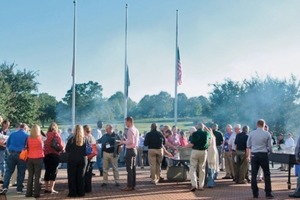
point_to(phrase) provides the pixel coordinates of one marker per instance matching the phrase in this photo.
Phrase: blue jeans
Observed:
(99, 160)
(297, 190)
(2, 162)
(211, 177)
(13, 161)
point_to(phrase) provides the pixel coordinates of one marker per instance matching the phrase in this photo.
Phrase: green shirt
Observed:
(200, 139)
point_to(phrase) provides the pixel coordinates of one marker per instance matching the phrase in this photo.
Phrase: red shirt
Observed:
(47, 144)
(35, 147)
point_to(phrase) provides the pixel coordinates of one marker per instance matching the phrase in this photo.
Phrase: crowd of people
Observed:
(210, 152)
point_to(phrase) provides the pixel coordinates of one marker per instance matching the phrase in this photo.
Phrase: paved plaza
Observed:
(224, 189)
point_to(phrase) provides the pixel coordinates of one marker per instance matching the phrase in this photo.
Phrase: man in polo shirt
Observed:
(199, 144)
(155, 141)
(259, 145)
(15, 144)
(232, 147)
(227, 155)
(131, 143)
(110, 154)
(241, 157)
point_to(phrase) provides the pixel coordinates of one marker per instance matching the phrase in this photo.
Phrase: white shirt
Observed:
(289, 143)
(231, 141)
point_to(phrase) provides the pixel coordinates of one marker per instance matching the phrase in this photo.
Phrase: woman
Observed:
(212, 159)
(91, 161)
(35, 161)
(51, 159)
(183, 139)
(77, 162)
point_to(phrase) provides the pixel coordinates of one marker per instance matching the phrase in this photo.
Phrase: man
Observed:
(232, 148)
(155, 141)
(140, 157)
(199, 144)
(110, 150)
(227, 154)
(4, 132)
(296, 194)
(258, 147)
(289, 142)
(131, 143)
(97, 134)
(241, 156)
(15, 144)
(219, 141)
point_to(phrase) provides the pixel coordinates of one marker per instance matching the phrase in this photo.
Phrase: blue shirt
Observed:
(226, 142)
(17, 141)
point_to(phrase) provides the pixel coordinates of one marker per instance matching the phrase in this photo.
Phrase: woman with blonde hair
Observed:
(76, 147)
(51, 159)
(34, 161)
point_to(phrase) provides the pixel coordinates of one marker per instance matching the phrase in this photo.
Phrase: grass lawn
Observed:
(144, 124)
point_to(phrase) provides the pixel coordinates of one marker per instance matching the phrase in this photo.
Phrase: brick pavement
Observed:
(225, 189)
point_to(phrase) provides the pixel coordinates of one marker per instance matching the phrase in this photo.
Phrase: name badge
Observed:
(107, 146)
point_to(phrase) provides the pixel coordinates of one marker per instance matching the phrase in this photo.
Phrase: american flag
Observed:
(179, 71)
(127, 81)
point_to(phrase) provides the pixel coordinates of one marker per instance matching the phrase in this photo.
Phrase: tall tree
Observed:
(88, 97)
(47, 106)
(21, 103)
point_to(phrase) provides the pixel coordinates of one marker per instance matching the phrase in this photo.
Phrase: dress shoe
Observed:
(193, 189)
(161, 179)
(127, 189)
(269, 196)
(226, 177)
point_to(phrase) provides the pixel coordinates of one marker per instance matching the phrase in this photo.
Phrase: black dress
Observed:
(77, 162)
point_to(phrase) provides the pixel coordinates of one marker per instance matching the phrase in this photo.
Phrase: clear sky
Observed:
(218, 39)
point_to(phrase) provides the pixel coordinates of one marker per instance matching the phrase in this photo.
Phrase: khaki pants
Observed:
(228, 165)
(155, 159)
(198, 159)
(108, 158)
(140, 157)
(242, 166)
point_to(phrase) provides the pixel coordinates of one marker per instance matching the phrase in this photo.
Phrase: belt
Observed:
(256, 153)
(108, 152)
(14, 151)
(200, 149)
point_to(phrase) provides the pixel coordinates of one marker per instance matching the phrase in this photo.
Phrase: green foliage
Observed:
(47, 108)
(18, 94)
(276, 101)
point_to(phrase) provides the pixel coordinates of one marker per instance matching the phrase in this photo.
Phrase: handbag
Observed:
(24, 153)
(55, 145)
(94, 153)
(88, 148)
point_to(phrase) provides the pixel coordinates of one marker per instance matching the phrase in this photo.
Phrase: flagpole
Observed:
(176, 72)
(74, 67)
(126, 66)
